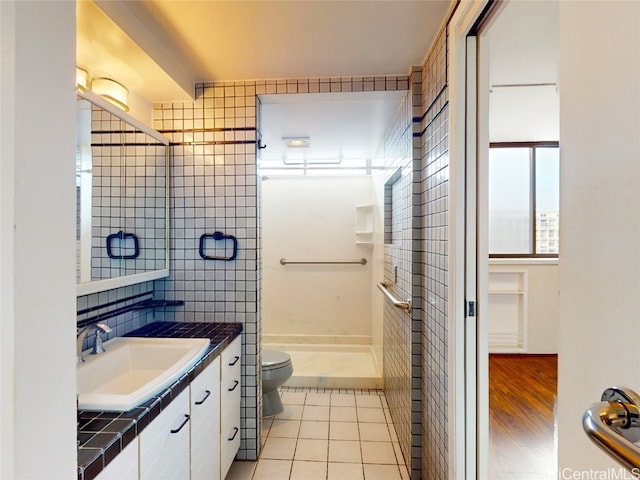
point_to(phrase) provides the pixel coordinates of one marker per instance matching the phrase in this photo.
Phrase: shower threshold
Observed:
(332, 366)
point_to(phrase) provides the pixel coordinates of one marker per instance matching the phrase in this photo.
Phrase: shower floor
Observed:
(331, 366)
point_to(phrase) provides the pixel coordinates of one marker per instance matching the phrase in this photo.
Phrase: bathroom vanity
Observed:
(189, 430)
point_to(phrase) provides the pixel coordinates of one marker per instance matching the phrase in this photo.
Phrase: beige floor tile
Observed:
(272, 470)
(404, 473)
(291, 412)
(374, 432)
(378, 453)
(308, 471)
(371, 415)
(241, 470)
(312, 450)
(344, 451)
(316, 412)
(343, 414)
(343, 400)
(314, 429)
(399, 457)
(293, 398)
(345, 471)
(318, 399)
(392, 432)
(381, 472)
(343, 431)
(285, 428)
(368, 401)
(279, 448)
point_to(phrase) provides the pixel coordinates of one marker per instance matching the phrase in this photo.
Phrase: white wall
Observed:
(37, 240)
(599, 319)
(312, 218)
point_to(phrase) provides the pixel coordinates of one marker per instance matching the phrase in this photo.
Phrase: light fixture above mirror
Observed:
(112, 91)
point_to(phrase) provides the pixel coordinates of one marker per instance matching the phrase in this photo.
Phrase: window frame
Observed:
(532, 146)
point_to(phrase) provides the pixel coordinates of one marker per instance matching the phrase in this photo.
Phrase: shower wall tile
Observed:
(397, 330)
(215, 187)
(432, 243)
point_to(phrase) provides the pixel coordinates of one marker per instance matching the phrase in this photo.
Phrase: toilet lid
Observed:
(274, 357)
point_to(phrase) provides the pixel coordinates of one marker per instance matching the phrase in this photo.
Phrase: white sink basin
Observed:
(133, 369)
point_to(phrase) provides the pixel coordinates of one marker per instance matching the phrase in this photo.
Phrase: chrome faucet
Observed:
(97, 346)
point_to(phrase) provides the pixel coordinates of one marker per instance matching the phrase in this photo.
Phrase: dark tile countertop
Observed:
(103, 435)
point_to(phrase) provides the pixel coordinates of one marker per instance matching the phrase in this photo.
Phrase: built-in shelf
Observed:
(508, 297)
(364, 224)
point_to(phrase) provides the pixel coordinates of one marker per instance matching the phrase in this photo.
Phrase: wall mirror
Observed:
(122, 191)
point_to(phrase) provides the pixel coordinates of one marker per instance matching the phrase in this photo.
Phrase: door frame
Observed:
(468, 383)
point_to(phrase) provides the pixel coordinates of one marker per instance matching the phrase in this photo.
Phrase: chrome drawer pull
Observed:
(208, 392)
(186, 420)
(234, 434)
(235, 360)
(235, 384)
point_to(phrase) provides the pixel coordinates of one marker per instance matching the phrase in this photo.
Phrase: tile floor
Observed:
(326, 434)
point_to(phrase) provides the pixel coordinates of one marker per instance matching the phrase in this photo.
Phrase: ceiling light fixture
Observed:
(111, 91)
(82, 78)
(296, 142)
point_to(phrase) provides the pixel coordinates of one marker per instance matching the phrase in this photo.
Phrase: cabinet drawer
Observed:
(164, 444)
(231, 362)
(124, 466)
(205, 423)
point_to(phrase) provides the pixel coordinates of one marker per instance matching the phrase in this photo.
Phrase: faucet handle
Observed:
(97, 346)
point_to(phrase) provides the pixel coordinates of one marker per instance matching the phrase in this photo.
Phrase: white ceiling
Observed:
(212, 40)
(523, 70)
(159, 49)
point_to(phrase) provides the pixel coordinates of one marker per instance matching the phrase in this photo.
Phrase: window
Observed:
(524, 204)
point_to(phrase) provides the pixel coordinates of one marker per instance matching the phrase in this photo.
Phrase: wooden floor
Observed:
(522, 399)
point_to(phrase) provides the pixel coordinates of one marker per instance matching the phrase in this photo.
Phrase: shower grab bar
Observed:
(608, 424)
(404, 305)
(284, 261)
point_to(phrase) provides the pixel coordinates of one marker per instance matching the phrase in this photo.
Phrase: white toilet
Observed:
(276, 369)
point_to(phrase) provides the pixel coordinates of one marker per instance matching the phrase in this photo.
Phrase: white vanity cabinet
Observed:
(205, 423)
(230, 390)
(197, 436)
(164, 444)
(124, 466)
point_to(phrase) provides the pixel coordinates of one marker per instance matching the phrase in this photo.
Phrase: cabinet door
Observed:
(124, 466)
(164, 444)
(205, 424)
(230, 389)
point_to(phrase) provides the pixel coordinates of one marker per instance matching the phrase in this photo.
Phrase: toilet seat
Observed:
(274, 359)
